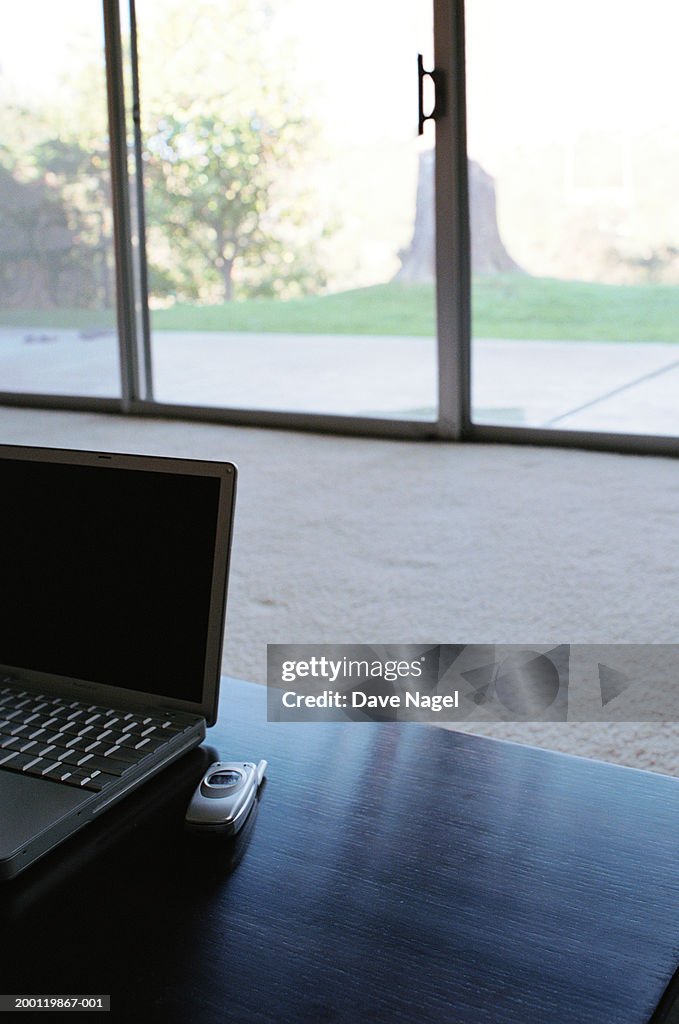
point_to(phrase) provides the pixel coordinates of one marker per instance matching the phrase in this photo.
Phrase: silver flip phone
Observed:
(225, 796)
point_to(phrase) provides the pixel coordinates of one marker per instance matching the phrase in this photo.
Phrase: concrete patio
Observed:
(608, 386)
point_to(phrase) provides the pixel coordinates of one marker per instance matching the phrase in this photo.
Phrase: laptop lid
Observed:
(114, 575)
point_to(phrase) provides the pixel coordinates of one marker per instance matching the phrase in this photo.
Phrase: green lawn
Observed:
(519, 306)
(504, 306)
(382, 309)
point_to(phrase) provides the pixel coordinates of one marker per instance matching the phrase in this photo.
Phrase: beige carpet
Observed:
(343, 540)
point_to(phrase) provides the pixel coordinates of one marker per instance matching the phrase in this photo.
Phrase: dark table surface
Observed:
(392, 872)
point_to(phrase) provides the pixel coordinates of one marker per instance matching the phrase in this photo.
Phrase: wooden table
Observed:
(395, 873)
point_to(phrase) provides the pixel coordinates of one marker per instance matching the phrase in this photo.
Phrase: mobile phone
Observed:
(225, 796)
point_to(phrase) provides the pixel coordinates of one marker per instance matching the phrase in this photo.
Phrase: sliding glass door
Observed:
(289, 206)
(224, 210)
(573, 163)
(57, 276)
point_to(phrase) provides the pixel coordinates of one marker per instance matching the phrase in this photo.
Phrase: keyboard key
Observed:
(43, 748)
(75, 777)
(74, 757)
(80, 743)
(19, 763)
(105, 764)
(49, 736)
(58, 753)
(85, 780)
(33, 758)
(71, 742)
(39, 722)
(42, 767)
(98, 781)
(123, 740)
(64, 720)
(94, 747)
(60, 711)
(150, 744)
(125, 754)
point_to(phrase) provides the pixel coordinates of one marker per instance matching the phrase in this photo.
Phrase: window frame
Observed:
(453, 285)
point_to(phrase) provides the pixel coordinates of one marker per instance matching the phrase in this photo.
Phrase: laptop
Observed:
(114, 577)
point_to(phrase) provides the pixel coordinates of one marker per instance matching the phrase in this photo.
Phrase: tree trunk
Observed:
(488, 252)
(227, 279)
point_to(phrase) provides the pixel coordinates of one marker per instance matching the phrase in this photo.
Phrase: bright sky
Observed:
(357, 58)
(537, 71)
(361, 56)
(560, 65)
(41, 38)
(553, 71)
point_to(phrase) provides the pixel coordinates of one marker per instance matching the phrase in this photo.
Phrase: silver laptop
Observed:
(114, 574)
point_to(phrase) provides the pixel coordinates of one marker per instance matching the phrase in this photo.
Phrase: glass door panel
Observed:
(289, 205)
(574, 159)
(57, 282)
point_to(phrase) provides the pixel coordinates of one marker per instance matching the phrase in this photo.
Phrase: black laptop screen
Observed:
(107, 574)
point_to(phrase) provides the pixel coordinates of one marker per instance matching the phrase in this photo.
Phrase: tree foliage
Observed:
(55, 208)
(216, 198)
(226, 143)
(54, 239)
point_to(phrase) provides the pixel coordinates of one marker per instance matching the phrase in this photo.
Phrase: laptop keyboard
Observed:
(75, 743)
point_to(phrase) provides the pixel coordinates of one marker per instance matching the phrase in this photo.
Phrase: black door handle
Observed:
(437, 77)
